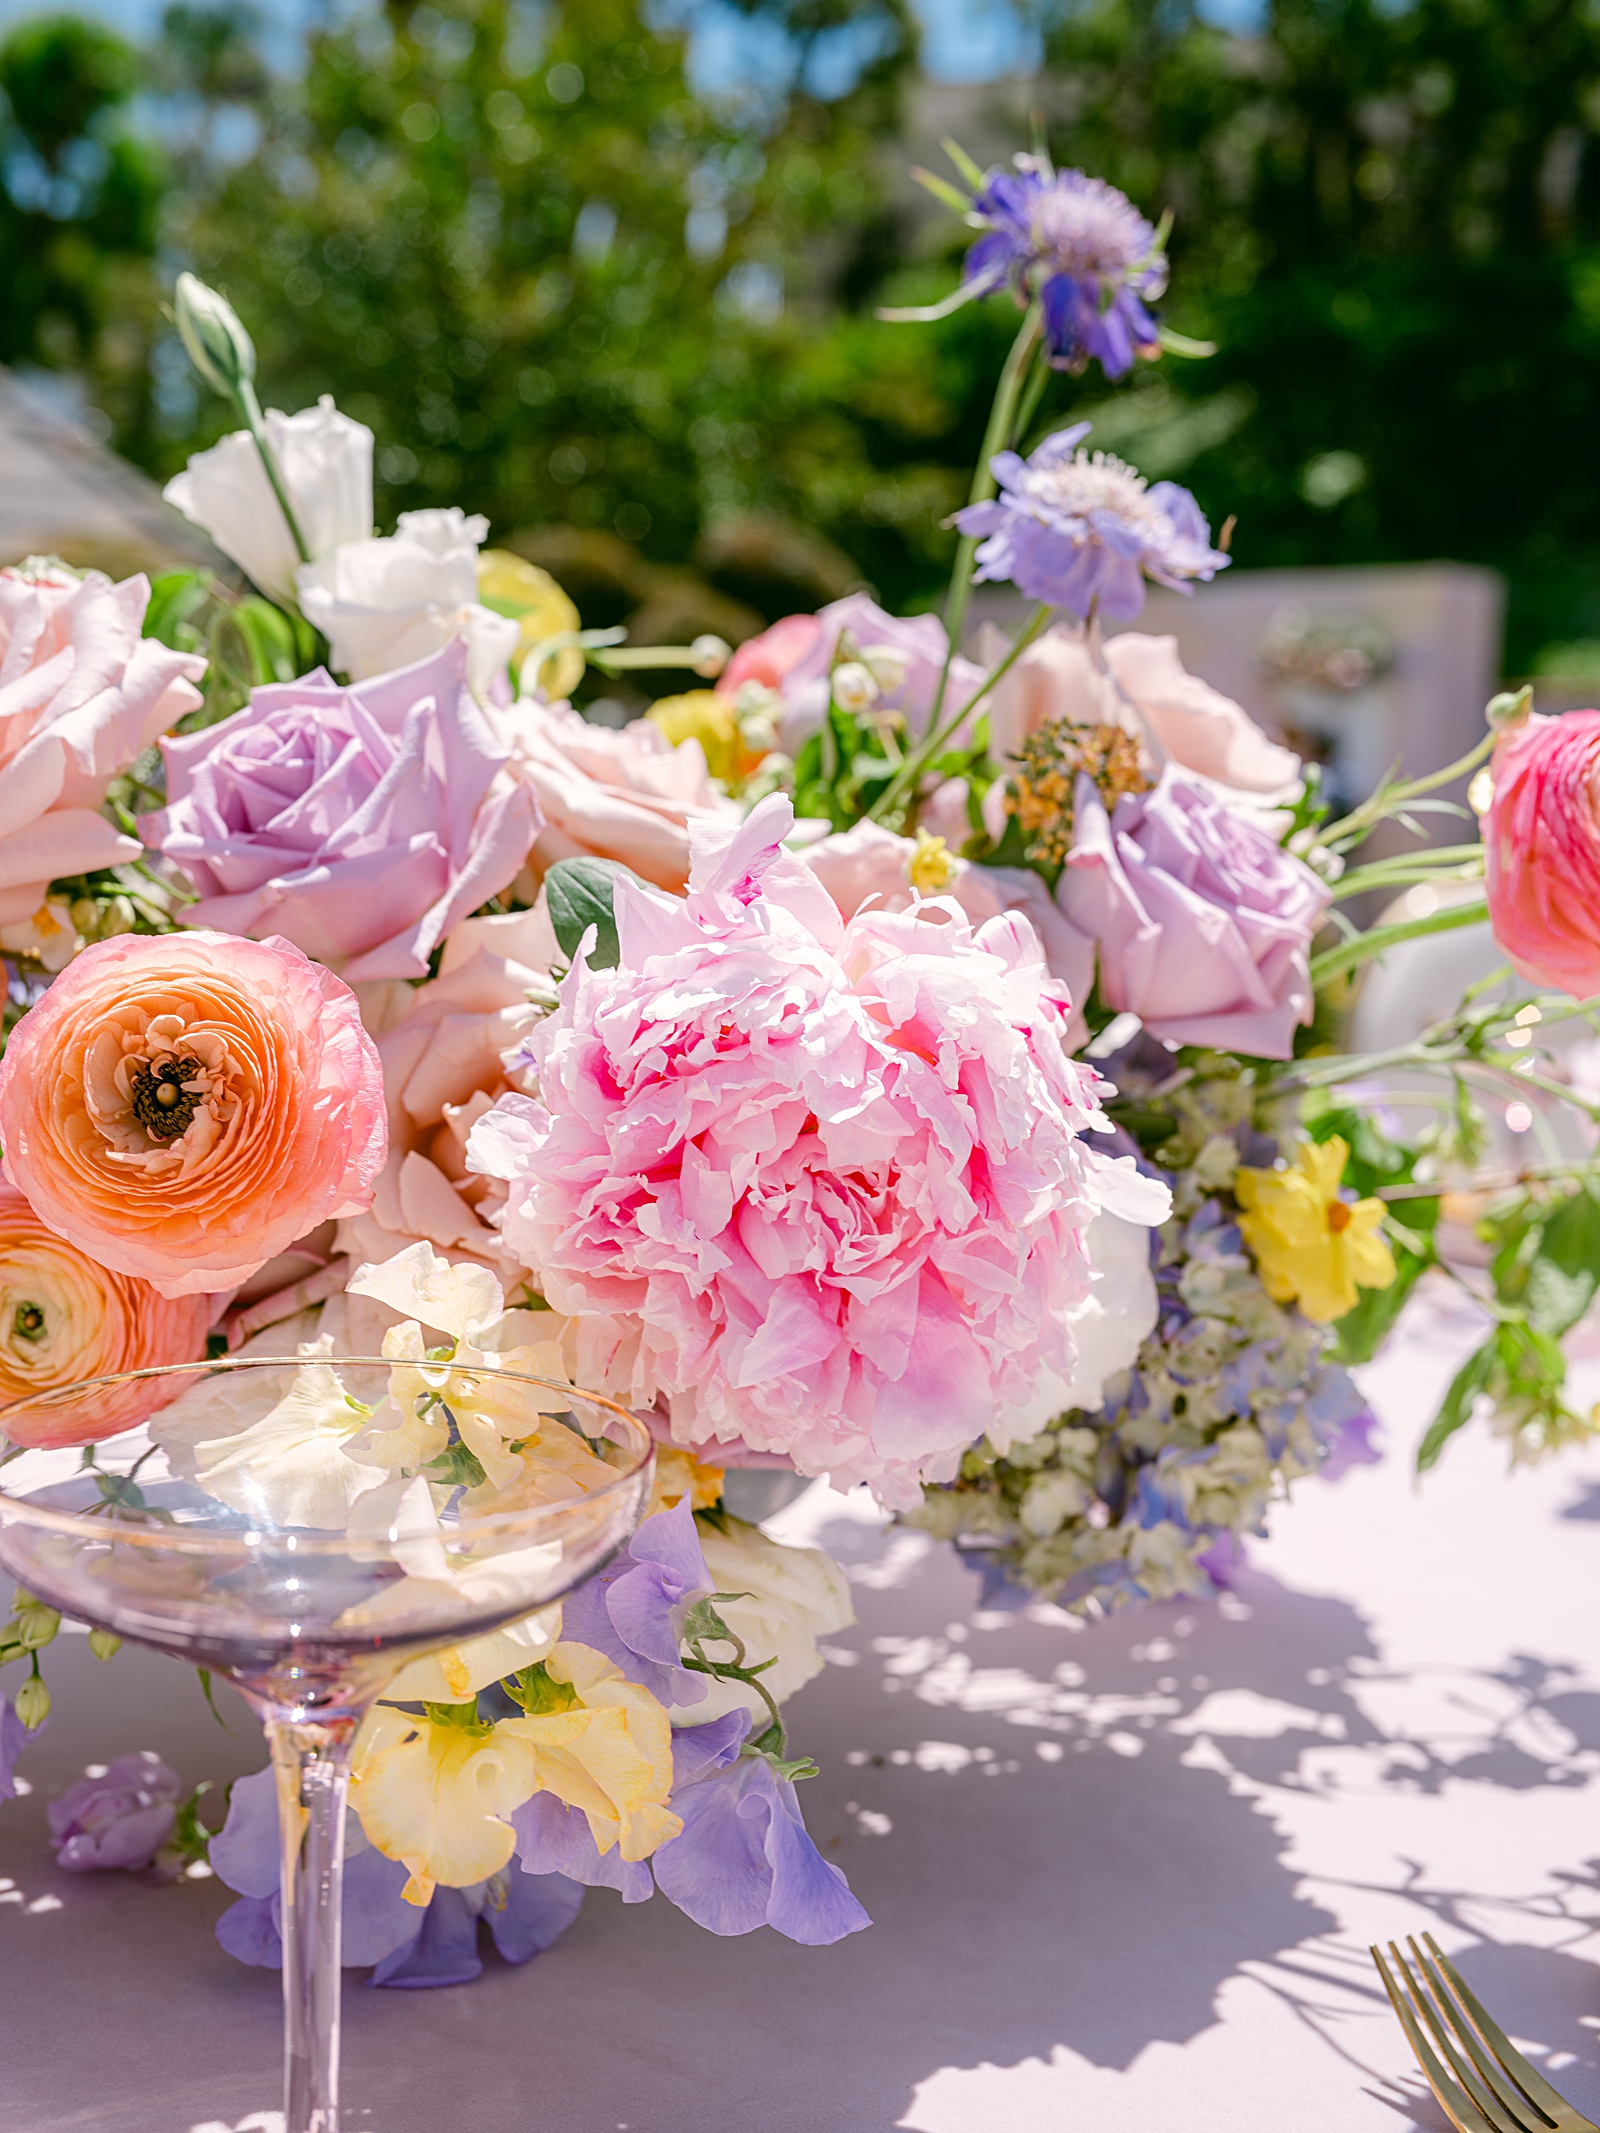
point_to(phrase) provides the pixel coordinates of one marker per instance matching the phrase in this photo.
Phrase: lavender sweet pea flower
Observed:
(744, 1859)
(13, 1733)
(1083, 531)
(1203, 924)
(632, 1609)
(917, 642)
(1083, 248)
(359, 823)
(554, 1840)
(525, 1915)
(120, 1819)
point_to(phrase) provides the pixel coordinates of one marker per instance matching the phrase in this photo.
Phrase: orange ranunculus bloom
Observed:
(63, 1318)
(182, 1107)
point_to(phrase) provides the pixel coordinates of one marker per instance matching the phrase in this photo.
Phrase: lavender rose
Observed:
(121, 1818)
(1202, 923)
(361, 823)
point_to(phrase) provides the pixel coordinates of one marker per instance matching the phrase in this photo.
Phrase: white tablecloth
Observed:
(1122, 1876)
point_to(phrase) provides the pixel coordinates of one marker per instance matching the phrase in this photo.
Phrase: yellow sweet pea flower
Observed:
(1311, 1247)
(607, 1751)
(531, 597)
(704, 716)
(679, 1473)
(433, 1793)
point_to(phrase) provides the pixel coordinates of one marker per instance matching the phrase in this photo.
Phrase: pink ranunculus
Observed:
(183, 1106)
(1138, 683)
(918, 642)
(816, 1186)
(1541, 840)
(442, 1069)
(1203, 924)
(768, 658)
(360, 823)
(81, 695)
(64, 1318)
(625, 794)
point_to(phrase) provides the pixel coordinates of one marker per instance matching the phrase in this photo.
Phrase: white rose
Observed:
(387, 603)
(795, 1596)
(324, 461)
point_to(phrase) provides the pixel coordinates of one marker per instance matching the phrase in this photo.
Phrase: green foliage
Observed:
(580, 894)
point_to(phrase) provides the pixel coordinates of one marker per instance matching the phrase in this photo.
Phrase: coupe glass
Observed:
(309, 1621)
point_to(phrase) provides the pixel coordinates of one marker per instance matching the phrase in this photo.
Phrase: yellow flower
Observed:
(1312, 1247)
(433, 1792)
(704, 716)
(679, 1473)
(603, 1745)
(930, 868)
(531, 597)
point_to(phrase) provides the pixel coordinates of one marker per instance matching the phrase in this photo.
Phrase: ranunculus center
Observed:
(27, 1322)
(1338, 1216)
(159, 1099)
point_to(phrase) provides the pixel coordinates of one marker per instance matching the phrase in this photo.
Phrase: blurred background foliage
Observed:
(635, 326)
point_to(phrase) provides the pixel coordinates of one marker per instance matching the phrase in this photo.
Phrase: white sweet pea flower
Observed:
(792, 1596)
(386, 603)
(854, 688)
(325, 463)
(459, 1300)
(295, 1465)
(887, 665)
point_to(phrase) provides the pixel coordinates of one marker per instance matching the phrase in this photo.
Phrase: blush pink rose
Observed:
(443, 1067)
(360, 823)
(625, 794)
(273, 1120)
(64, 1318)
(82, 694)
(1541, 840)
(1202, 923)
(819, 1188)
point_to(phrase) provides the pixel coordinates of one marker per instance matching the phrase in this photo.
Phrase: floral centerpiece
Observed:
(907, 1061)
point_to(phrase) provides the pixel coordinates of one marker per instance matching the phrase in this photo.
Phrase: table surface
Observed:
(1122, 1875)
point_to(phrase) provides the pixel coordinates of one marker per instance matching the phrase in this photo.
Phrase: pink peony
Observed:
(359, 823)
(628, 795)
(81, 695)
(64, 1318)
(1542, 850)
(183, 1107)
(1203, 924)
(817, 1187)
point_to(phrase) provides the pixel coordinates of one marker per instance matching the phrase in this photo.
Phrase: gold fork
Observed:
(1488, 2087)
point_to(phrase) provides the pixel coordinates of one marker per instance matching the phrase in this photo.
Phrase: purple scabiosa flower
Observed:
(632, 1609)
(121, 1818)
(1083, 249)
(1082, 531)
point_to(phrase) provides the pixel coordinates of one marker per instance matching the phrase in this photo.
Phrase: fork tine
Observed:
(1527, 2077)
(1518, 2105)
(1504, 2112)
(1458, 2107)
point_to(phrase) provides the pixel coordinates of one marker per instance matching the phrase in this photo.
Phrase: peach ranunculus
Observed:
(625, 794)
(441, 1071)
(1138, 683)
(81, 695)
(183, 1106)
(63, 1318)
(1541, 839)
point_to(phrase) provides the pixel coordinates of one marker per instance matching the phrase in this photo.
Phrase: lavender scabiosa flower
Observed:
(1082, 530)
(1074, 242)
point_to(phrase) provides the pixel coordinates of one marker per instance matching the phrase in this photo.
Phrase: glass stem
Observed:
(312, 1761)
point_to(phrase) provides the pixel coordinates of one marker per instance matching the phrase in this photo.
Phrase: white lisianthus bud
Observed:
(853, 686)
(708, 656)
(886, 665)
(218, 345)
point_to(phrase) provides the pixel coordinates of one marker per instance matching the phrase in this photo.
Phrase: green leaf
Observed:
(175, 596)
(1563, 1276)
(1363, 1331)
(269, 640)
(1333, 962)
(581, 893)
(1456, 1408)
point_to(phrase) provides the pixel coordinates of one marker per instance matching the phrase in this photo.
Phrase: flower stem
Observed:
(250, 408)
(927, 748)
(1002, 418)
(312, 1761)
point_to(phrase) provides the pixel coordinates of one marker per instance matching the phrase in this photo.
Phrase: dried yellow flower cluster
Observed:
(1048, 767)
